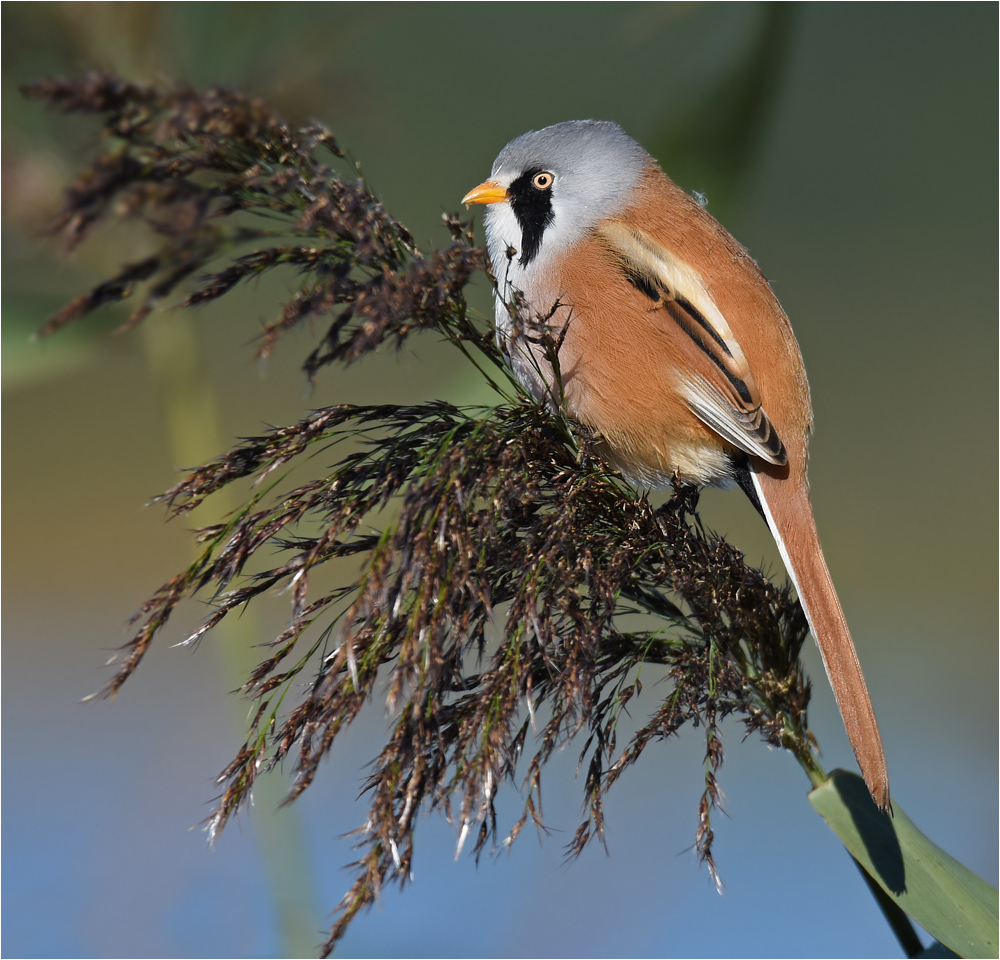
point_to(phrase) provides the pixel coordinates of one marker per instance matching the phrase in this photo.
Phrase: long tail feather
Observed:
(786, 506)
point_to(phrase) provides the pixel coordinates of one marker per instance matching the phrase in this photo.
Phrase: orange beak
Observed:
(488, 192)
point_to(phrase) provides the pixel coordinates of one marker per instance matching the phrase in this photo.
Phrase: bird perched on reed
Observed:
(672, 348)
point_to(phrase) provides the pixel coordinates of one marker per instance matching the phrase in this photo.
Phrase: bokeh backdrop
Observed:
(851, 147)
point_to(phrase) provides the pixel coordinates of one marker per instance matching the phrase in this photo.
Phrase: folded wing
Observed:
(725, 398)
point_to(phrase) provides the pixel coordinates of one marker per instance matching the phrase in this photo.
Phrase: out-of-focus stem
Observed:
(192, 420)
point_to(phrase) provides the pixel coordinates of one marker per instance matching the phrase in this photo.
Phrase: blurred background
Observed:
(851, 147)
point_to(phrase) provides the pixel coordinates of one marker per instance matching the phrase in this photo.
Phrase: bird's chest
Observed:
(585, 339)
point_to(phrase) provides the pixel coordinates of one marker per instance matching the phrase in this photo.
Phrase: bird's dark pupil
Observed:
(533, 209)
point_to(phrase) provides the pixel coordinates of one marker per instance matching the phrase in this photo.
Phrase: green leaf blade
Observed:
(946, 898)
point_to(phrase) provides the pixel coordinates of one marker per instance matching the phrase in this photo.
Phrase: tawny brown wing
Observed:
(720, 390)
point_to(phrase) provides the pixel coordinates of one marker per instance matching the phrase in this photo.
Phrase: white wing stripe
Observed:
(678, 277)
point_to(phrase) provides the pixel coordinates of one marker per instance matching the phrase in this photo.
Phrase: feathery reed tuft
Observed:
(503, 565)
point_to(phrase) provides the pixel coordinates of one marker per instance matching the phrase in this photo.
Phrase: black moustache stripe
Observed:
(533, 209)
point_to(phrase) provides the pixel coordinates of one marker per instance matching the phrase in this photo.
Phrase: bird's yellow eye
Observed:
(542, 181)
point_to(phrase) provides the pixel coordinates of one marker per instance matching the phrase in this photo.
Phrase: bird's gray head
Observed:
(559, 182)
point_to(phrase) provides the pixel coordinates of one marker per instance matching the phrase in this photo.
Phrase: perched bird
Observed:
(672, 348)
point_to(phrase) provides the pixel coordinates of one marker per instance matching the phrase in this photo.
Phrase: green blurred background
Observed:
(851, 147)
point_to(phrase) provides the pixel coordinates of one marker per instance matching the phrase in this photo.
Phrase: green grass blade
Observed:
(947, 899)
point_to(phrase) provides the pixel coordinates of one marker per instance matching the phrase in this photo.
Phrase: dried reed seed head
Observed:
(498, 588)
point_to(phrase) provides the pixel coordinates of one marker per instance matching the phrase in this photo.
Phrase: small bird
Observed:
(672, 348)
